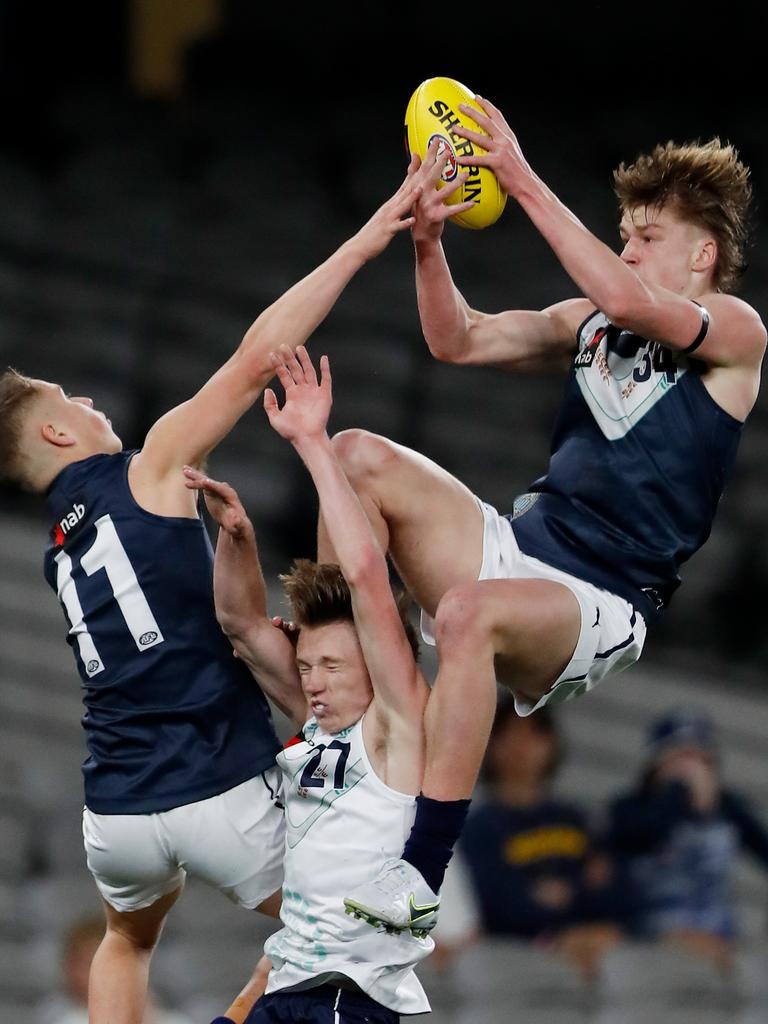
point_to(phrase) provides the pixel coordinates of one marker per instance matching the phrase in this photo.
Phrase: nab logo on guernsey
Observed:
(68, 523)
(587, 355)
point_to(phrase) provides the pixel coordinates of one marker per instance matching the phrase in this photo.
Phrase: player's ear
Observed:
(51, 434)
(705, 256)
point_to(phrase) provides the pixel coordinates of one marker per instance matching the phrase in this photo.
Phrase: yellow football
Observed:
(433, 112)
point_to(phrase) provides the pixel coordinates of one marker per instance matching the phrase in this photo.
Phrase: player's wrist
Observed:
(359, 250)
(309, 445)
(427, 246)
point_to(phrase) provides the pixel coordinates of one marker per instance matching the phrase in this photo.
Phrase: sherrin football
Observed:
(433, 111)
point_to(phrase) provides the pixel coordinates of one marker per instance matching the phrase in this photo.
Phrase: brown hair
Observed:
(705, 184)
(16, 394)
(319, 594)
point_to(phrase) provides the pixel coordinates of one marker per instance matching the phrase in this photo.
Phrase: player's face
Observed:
(76, 415)
(661, 248)
(334, 676)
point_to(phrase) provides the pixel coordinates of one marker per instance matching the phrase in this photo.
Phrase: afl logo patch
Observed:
(147, 638)
(445, 148)
(93, 667)
(524, 503)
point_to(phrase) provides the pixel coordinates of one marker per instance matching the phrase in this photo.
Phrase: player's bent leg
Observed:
(428, 521)
(526, 630)
(117, 989)
(523, 633)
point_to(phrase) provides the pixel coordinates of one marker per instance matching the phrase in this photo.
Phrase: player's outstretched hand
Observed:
(222, 502)
(307, 401)
(391, 217)
(431, 211)
(504, 155)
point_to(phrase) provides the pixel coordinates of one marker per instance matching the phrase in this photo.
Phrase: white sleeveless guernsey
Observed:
(342, 823)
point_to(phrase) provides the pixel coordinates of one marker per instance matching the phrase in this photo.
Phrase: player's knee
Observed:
(462, 619)
(363, 454)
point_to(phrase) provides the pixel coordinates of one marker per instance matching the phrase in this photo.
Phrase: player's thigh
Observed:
(131, 865)
(235, 841)
(141, 928)
(435, 522)
(532, 627)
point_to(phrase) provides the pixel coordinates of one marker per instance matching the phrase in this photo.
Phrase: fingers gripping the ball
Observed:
(437, 114)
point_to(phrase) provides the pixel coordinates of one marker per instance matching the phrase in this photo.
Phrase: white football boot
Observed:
(398, 898)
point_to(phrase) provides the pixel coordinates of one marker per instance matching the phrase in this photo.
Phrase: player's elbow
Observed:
(447, 348)
(626, 304)
(368, 565)
(233, 625)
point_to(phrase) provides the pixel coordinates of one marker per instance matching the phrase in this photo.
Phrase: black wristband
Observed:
(703, 332)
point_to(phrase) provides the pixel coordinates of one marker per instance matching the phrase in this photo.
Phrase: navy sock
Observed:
(437, 826)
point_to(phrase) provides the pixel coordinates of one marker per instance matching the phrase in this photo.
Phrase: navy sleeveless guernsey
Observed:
(640, 455)
(171, 716)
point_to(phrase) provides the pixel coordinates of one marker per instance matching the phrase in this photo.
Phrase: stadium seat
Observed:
(205, 913)
(639, 974)
(659, 1013)
(501, 971)
(184, 969)
(52, 904)
(750, 970)
(13, 1012)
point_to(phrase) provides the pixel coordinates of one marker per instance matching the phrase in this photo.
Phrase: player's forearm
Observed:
(240, 593)
(598, 272)
(444, 313)
(299, 311)
(348, 528)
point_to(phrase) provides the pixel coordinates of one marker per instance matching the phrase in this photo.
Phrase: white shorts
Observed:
(235, 841)
(612, 631)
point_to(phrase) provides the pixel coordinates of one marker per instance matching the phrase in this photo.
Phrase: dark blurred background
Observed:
(168, 168)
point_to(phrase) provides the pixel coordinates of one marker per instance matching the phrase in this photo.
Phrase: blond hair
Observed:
(17, 392)
(703, 183)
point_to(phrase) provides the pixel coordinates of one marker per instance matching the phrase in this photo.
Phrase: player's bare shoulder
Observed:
(742, 329)
(733, 352)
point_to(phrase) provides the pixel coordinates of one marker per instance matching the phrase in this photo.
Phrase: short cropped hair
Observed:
(705, 184)
(17, 392)
(319, 595)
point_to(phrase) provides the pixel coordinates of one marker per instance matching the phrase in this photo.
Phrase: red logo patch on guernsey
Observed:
(69, 522)
(587, 355)
(298, 738)
(445, 149)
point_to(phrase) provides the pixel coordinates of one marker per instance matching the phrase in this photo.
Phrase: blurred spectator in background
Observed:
(70, 1005)
(677, 835)
(529, 856)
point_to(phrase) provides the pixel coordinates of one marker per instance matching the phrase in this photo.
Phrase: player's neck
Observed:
(63, 458)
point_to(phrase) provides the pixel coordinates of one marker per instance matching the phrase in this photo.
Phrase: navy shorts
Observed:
(325, 1004)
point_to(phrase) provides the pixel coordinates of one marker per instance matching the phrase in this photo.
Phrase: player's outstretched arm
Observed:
(736, 335)
(240, 595)
(399, 687)
(189, 432)
(456, 333)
